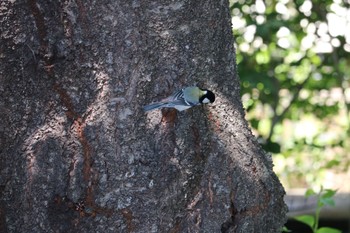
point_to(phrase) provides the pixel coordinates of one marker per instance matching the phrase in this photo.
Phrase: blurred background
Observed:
(293, 61)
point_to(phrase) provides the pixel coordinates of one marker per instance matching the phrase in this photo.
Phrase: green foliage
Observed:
(306, 219)
(324, 197)
(285, 229)
(293, 64)
(327, 230)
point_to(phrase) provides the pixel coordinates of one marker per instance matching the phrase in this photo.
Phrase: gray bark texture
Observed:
(78, 154)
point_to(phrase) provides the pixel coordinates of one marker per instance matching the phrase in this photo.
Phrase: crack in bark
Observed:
(79, 126)
(39, 22)
(237, 214)
(128, 215)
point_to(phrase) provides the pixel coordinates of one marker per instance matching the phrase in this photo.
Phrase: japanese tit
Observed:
(184, 99)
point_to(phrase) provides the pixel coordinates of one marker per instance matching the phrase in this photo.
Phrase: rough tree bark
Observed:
(78, 154)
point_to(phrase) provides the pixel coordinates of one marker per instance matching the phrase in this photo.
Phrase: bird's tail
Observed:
(153, 106)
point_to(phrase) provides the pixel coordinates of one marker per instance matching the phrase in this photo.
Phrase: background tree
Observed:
(78, 154)
(293, 58)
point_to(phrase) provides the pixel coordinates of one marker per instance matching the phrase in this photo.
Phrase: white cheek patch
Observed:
(205, 101)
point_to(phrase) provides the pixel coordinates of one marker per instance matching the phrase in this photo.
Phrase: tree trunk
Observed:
(78, 154)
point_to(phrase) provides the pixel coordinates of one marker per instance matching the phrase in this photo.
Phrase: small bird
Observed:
(184, 99)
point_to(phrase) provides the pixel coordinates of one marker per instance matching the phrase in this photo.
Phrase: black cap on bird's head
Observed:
(208, 97)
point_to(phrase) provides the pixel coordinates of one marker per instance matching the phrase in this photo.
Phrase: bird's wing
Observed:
(177, 95)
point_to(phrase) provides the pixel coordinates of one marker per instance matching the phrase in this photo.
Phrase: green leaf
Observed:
(332, 163)
(327, 197)
(328, 230)
(272, 147)
(285, 229)
(328, 193)
(327, 201)
(306, 219)
(309, 192)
